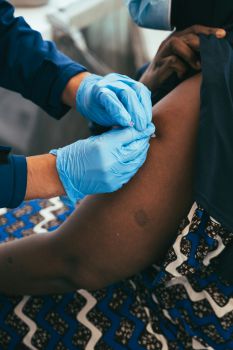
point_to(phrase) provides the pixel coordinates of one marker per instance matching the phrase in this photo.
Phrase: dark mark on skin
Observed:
(10, 260)
(141, 218)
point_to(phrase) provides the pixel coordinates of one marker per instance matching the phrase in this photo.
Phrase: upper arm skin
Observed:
(112, 236)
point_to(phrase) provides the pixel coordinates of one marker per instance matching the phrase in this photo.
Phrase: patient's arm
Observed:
(110, 237)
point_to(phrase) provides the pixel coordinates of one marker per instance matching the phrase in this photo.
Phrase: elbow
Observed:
(87, 281)
(79, 271)
(79, 275)
(67, 270)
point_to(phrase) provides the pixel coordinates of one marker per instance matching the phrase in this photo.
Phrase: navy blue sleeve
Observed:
(13, 178)
(31, 66)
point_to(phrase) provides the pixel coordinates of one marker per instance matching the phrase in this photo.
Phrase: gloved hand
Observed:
(102, 164)
(115, 100)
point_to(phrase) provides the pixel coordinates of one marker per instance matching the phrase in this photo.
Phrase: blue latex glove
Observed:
(104, 163)
(115, 100)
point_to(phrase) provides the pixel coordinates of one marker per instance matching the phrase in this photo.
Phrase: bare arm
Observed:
(42, 178)
(70, 91)
(110, 237)
(127, 231)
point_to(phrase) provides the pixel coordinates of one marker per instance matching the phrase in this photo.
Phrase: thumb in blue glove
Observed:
(115, 100)
(102, 164)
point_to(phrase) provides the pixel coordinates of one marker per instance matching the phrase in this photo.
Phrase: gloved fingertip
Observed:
(149, 116)
(142, 147)
(140, 124)
(144, 152)
(138, 127)
(146, 102)
(150, 130)
(146, 131)
(141, 157)
(125, 119)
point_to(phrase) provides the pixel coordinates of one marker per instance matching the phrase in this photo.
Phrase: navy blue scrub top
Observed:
(38, 71)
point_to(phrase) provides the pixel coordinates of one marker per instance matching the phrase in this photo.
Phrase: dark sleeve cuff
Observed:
(50, 82)
(55, 107)
(13, 181)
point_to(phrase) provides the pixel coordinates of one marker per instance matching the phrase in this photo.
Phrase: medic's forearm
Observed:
(71, 89)
(42, 178)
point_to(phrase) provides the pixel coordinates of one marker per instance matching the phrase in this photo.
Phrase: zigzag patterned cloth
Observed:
(180, 305)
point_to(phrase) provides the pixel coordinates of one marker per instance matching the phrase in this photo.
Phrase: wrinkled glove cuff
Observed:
(83, 93)
(73, 194)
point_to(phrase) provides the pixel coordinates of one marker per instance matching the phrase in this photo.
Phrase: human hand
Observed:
(102, 164)
(115, 100)
(178, 54)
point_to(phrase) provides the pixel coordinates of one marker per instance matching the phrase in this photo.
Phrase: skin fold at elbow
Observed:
(80, 277)
(77, 272)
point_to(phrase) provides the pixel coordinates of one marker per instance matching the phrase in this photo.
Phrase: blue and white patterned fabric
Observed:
(181, 304)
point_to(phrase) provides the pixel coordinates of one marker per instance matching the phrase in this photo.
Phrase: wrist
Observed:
(71, 89)
(42, 178)
(68, 172)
